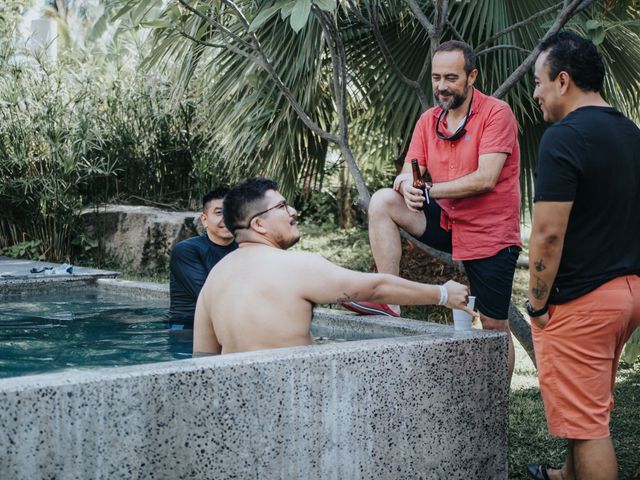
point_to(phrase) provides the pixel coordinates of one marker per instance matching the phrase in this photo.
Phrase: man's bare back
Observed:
(252, 300)
(262, 296)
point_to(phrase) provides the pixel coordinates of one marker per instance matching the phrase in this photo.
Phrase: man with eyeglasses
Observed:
(261, 296)
(469, 144)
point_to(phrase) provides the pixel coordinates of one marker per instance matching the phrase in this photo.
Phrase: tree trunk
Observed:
(345, 219)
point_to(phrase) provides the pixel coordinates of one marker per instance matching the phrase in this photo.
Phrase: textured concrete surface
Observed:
(428, 403)
(16, 276)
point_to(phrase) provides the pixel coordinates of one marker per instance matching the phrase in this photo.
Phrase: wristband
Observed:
(444, 295)
(536, 313)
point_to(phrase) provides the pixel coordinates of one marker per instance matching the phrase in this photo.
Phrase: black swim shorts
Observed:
(491, 279)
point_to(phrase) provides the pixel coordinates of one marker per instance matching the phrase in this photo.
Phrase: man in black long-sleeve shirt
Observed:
(193, 259)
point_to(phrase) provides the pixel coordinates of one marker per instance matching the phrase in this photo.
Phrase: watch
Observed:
(532, 312)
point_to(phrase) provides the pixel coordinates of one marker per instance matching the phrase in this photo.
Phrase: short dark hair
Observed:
(465, 48)
(241, 201)
(576, 55)
(215, 194)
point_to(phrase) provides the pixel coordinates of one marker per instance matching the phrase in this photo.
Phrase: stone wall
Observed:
(140, 238)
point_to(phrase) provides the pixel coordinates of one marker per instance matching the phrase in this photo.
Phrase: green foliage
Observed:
(81, 131)
(46, 144)
(29, 250)
(10, 14)
(631, 353)
(254, 121)
(347, 248)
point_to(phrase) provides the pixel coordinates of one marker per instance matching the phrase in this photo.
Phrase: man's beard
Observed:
(291, 242)
(456, 100)
(285, 243)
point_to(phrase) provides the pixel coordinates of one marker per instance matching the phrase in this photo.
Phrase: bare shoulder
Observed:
(309, 261)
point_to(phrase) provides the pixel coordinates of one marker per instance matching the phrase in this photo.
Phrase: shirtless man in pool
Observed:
(261, 296)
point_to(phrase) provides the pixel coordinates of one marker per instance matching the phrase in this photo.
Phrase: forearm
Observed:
(549, 227)
(467, 186)
(545, 251)
(399, 291)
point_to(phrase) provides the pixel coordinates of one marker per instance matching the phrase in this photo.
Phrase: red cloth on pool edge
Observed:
(370, 308)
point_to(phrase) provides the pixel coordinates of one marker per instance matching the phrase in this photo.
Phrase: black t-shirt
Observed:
(191, 261)
(592, 157)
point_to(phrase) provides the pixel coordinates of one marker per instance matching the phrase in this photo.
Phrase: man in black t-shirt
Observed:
(584, 288)
(193, 259)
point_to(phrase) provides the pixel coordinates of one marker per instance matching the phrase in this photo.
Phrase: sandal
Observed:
(538, 471)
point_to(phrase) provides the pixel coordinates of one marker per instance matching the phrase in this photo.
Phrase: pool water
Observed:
(93, 327)
(85, 328)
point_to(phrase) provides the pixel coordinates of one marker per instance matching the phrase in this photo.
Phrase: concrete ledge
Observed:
(138, 289)
(430, 404)
(384, 409)
(16, 276)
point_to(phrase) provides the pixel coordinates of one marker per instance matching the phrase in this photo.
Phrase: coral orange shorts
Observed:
(577, 354)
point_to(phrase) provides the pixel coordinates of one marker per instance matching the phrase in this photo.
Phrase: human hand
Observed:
(458, 297)
(413, 197)
(401, 179)
(540, 321)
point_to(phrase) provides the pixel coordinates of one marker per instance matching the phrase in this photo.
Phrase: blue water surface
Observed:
(80, 328)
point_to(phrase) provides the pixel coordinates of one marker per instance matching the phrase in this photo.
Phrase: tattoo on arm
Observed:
(540, 266)
(540, 290)
(347, 298)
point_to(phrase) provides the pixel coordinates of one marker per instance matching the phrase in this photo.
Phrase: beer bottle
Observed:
(418, 182)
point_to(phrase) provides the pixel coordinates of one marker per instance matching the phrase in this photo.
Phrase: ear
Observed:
(258, 225)
(564, 79)
(203, 219)
(471, 78)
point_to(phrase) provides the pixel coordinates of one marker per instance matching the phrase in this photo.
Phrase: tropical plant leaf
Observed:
(263, 16)
(248, 118)
(300, 14)
(326, 5)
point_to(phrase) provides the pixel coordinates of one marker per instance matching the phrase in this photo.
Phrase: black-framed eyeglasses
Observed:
(283, 204)
(459, 132)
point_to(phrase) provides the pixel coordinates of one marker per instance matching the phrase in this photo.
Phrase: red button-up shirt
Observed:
(480, 225)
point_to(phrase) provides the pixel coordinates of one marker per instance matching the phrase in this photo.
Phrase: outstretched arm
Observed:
(332, 284)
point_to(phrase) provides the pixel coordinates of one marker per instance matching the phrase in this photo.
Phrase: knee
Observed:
(382, 201)
(493, 324)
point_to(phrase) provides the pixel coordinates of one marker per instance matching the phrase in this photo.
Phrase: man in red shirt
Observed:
(469, 144)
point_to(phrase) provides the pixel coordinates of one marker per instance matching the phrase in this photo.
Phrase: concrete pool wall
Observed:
(431, 404)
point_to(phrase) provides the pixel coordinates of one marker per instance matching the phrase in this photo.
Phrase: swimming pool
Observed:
(88, 327)
(82, 328)
(363, 409)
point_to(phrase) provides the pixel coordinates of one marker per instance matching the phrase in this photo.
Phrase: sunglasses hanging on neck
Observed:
(461, 129)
